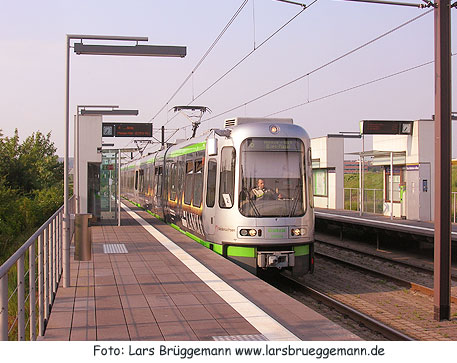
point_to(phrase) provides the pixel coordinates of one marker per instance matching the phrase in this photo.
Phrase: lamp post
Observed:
(80, 48)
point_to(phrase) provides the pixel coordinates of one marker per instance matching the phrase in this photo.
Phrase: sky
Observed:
(32, 64)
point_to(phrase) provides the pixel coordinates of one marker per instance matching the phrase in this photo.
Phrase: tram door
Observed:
(210, 203)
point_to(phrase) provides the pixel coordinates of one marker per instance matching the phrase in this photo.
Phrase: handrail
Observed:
(10, 262)
(36, 286)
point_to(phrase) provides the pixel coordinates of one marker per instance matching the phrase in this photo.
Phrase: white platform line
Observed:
(258, 318)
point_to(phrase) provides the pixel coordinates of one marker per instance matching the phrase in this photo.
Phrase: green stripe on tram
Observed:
(234, 251)
(301, 250)
(189, 149)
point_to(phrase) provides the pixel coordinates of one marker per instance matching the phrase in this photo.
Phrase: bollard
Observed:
(83, 240)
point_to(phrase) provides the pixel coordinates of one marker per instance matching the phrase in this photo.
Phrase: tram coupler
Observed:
(277, 259)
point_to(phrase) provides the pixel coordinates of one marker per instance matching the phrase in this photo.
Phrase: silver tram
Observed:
(244, 191)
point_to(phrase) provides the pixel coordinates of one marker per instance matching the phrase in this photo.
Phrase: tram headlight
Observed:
(297, 232)
(251, 232)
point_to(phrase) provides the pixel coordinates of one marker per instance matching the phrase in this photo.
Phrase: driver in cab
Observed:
(260, 192)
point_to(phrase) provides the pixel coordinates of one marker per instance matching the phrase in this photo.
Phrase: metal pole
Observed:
(362, 190)
(119, 188)
(76, 163)
(4, 307)
(454, 194)
(360, 184)
(442, 249)
(20, 299)
(66, 215)
(391, 185)
(40, 286)
(32, 291)
(163, 137)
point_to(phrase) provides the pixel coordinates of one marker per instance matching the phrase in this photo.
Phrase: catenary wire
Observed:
(203, 57)
(321, 67)
(244, 58)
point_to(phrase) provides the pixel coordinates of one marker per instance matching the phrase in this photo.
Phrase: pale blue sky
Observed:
(32, 62)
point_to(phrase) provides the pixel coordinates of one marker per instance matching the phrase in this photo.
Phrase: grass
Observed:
(374, 180)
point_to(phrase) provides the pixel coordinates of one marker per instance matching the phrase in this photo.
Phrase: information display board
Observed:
(386, 127)
(126, 129)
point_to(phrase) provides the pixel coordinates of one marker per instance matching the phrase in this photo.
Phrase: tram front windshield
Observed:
(272, 177)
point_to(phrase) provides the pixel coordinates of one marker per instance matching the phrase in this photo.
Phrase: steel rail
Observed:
(354, 314)
(383, 258)
(411, 285)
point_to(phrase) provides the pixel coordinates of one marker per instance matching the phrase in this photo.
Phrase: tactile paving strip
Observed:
(115, 248)
(251, 337)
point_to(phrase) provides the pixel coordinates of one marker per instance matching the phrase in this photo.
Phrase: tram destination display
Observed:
(273, 144)
(386, 127)
(126, 129)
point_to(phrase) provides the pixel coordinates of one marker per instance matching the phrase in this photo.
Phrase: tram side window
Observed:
(211, 184)
(136, 179)
(227, 177)
(188, 188)
(141, 180)
(198, 183)
(172, 181)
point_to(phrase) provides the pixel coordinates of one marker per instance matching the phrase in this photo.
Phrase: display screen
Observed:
(383, 127)
(272, 144)
(126, 129)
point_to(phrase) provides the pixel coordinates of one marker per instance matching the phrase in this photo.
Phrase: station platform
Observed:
(379, 221)
(147, 281)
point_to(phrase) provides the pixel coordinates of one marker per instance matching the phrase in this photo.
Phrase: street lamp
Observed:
(80, 48)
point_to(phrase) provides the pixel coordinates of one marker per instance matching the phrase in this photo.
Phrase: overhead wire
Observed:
(321, 66)
(208, 51)
(354, 87)
(245, 57)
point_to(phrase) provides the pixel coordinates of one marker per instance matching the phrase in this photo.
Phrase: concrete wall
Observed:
(89, 130)
(330, 152)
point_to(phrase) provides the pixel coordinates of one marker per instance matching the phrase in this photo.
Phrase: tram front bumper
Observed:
(277, 259)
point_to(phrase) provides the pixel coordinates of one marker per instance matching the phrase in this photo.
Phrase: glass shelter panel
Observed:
(109, 185)
(272, 177)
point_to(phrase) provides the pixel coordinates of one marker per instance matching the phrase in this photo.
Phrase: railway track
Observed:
(346, 310)
(397, 261)
(401, 282)
(287, 284)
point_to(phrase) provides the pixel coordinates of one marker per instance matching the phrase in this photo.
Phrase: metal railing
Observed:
(26, 296)
(373, 200)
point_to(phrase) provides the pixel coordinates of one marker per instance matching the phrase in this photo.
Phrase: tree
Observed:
(31, 165)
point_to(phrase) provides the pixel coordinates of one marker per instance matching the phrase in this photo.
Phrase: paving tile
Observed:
(160, 300)
(112, 332)
(139, 316)
(56, 334)
(108, 302)
(222, 311)
(110, 317)
(184, 299)
(60, 319)
(237, 326)
(133, 301)
(83, 319)
(195, 312)
(177, 331)
(143, 331)
(167, 314)
(206, 329)
(83, 334)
